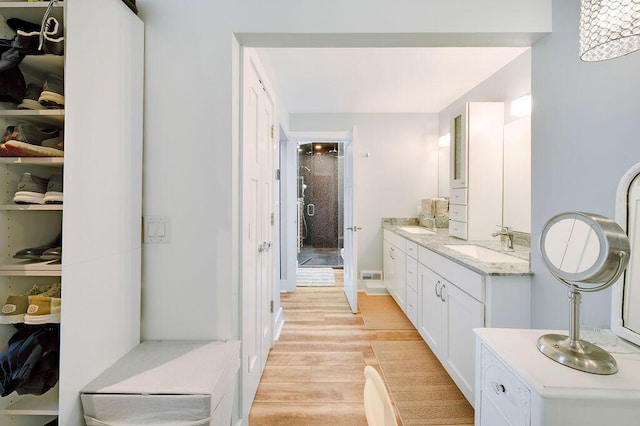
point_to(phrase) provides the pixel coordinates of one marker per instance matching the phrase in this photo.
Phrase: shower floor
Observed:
(310, 257)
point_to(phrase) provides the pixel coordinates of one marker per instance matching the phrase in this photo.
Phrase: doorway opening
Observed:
(320, 204)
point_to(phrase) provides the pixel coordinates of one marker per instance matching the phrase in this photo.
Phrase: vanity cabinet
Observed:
(453, 300)
(476, 170)
(517, 385)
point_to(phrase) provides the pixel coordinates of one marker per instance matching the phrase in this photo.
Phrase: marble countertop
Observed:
(438, 241)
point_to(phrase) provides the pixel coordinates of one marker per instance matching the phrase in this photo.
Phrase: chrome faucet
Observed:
(506, 235)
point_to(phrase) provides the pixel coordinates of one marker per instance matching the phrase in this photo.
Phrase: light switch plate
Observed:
(157, 229)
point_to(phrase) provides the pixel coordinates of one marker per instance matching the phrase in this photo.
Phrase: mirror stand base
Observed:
(580, 355)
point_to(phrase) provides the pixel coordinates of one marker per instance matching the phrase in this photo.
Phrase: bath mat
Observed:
(315, 277)
(421, 389)
(382, 313)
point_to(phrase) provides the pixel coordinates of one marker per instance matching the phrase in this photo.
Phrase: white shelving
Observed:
(28, 405)
(28, 225)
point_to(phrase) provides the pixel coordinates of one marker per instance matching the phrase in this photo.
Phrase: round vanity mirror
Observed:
(586, 252)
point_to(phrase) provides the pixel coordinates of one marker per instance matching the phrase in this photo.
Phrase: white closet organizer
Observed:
(100, 218)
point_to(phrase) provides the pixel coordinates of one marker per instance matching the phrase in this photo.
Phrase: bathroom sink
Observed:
(415, 230)
(485, 254)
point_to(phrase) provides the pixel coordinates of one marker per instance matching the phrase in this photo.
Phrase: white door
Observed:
(257, 231)
(350, 231)
(431, 310)
(463, 314)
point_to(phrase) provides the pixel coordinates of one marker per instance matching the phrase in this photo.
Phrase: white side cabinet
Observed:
(100, 217)
(453, 300)
(519, 386)
(476, 170)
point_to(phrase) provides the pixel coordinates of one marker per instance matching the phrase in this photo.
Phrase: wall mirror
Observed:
(625, 300)
(586, 252)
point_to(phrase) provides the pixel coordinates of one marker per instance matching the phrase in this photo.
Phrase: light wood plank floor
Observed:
(314, 373)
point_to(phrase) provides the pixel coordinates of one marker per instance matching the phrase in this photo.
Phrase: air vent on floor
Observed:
(371, 275)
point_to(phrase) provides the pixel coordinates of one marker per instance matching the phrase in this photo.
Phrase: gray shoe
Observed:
(31, 95)
(54, 190)
(52, 95)
(31, 189)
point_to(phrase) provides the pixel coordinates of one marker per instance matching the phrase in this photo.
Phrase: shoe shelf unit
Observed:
(102, 206)
(28, 225)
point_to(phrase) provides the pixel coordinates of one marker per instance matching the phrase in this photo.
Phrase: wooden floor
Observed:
(314, 373)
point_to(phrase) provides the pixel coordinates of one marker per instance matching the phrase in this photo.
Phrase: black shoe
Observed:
(35, 253)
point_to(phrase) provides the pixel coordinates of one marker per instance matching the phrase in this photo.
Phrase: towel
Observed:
(441, 206)
(428, 208)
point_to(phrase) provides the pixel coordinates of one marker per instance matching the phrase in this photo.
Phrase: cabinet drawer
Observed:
(458, 229)
(458, 196)
(506, 392)
(394, 239)
(412, 273)
(458, 212)
(412, 306)
(411, 249)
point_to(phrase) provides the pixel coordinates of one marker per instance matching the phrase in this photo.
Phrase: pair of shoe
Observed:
(36, 306)
(34, 189)
(50, 96)
(26, 140)
(32, 39)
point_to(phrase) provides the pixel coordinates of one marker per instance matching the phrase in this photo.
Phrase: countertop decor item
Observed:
(586, 252)
(608, 29)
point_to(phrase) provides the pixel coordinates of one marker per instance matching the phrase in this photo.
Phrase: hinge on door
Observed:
(272, 131)
(271, 306)
(273, 219)
(278, 174)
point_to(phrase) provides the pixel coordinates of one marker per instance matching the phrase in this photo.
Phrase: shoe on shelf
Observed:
(52, 95)
(27, 140)
(31, 96)
(54, 190)
(43, 310)
(15, 307)
(53, 37)
(35, 253)
(31, 189)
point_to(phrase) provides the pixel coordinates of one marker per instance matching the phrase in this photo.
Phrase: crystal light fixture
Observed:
(608, 28)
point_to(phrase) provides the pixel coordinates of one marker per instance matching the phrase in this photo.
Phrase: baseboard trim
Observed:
(278, 323)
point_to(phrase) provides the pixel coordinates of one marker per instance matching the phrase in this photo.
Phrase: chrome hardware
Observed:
(436, 290)
(442, 293)
(498, 388)
(506, 234)
(311, 209)
(354, 228)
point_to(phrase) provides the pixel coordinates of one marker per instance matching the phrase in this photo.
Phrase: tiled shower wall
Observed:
(322, 180)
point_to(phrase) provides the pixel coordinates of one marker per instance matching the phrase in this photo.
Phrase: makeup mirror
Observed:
(586, 252)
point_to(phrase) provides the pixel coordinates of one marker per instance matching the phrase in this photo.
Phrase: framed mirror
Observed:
(586, 252)
(625, 297)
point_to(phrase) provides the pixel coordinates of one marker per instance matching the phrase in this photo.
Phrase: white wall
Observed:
(585, 131)
(191, 166)
(396, 164)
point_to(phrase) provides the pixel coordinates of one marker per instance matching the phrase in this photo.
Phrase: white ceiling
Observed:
(382, 80)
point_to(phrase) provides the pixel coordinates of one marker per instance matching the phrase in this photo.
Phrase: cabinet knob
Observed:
(499, 388)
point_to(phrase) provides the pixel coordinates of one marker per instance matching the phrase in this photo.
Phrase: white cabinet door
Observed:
(389, 266)
(431, 308)
(401, 279)
(463, 314)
